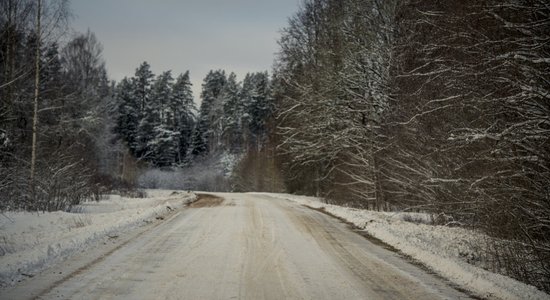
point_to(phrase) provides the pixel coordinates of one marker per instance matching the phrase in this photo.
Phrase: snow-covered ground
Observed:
(245, 247)
(445, 250)
(30, 242)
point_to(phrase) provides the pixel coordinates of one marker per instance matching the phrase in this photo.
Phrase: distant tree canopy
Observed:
(158, 120)
(156, 116)
(233, 115)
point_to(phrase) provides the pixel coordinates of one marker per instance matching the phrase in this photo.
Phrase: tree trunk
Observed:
(35, 110)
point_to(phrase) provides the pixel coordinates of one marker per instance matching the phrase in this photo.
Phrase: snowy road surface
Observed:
(247, 247)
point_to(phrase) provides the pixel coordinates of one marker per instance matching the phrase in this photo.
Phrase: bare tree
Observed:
(440, 107)
(39, 151)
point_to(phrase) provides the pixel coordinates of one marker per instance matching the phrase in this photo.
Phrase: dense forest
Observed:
(158, 122)
(55, 125)
(440, 106)
(419, 105)
(68, 133)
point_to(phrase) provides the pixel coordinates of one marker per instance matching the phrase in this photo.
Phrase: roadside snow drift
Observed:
(443, 249)
(30, 242)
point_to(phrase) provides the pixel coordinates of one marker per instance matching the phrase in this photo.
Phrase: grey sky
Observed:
(179, 35)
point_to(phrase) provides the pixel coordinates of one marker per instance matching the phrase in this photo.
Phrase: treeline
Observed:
(69, 134)
(55, 136)
(156, 116)
(158, 122)
(232, 115)
(434, 106)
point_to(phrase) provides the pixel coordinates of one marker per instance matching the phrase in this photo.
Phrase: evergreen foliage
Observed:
(156, 116)
(208, 124)
(183, 110)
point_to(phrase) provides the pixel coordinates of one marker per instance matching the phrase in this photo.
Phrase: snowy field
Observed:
(444, 250)
(30, 242)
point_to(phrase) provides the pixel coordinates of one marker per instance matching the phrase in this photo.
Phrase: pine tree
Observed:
(258, 106)
(232, 112)
(183, 109)
(246, 95)
(161, 118)
(143, 80)
(142, 83)
(164, 146)
(161, 94)
(205, 137)
(199, 144)
(128, 114)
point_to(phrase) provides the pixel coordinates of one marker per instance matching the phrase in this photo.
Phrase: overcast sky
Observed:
(179, 35)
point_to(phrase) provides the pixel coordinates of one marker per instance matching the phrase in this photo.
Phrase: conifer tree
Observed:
(261, 105)
(205, 136)
(142, 82)
(232, 113)
(128, 113)
(183, 109)
(258, 106)
(162, 142)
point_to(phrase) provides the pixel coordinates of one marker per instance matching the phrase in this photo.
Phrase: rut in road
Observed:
(252, 247)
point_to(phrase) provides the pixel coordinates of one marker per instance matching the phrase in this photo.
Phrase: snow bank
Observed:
(30, 242)
(443, 249)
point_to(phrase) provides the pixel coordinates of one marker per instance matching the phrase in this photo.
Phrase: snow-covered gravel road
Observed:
(246, 247)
